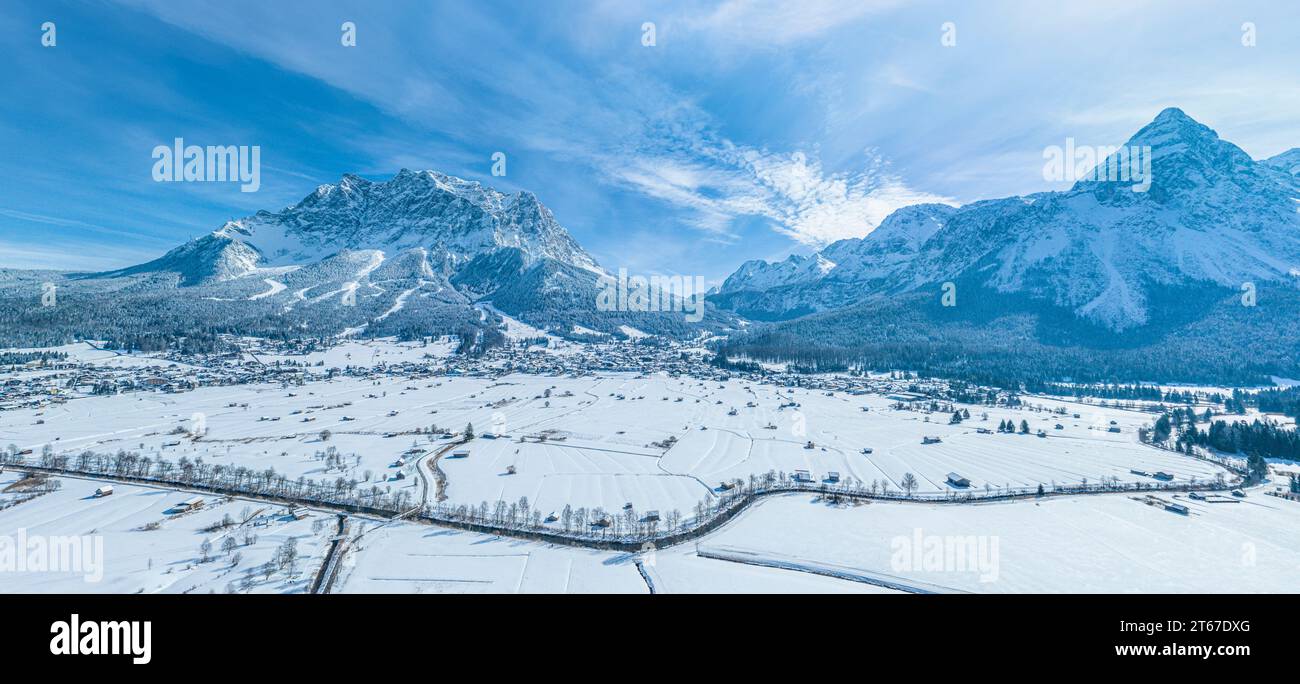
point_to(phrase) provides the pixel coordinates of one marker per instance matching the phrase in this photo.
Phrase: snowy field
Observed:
(655, 442)
(1110, 543)
(150, 546)
(409, 558)
(1107, 543)
(367, 353)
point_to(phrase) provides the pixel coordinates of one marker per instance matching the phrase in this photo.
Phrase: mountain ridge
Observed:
(1195, 278)
(1211, 214)
(406, 256)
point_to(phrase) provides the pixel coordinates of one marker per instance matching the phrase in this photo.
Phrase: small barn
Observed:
(957, 480)
(104, 491)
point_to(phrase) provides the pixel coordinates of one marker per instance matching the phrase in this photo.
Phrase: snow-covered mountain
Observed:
(1212, 216)
(1288, 161)
(842, 273)
(453, 221)
(422, 253)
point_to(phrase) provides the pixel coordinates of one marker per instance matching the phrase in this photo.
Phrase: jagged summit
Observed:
(453, 220)
(1288, 162)
(420, 253)
(1101, 250)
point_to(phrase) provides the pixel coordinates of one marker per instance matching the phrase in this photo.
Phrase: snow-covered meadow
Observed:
(412, 558)
(1112, 543)
(659, 443)
(147, 542)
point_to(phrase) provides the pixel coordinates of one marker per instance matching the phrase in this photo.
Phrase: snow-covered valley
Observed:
(630, 446)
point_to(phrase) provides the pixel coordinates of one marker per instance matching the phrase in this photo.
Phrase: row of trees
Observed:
(13, 359)
(630, 525)
(1257, 440)
(237, 479)
(521, 516)
(1009, 426)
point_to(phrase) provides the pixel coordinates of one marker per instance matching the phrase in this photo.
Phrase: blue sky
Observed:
(749, 130)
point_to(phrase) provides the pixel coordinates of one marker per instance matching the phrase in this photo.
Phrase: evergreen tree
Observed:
(1162, 430)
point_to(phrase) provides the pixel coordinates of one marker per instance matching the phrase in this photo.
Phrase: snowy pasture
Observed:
(1110, 543)
(149, 545)
(409, 558)
(367, 353)
(657, 442)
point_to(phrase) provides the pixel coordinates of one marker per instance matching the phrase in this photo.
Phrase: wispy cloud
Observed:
(665, 145)
(744, 127)
(799, 198)
(815, 208)
(756, 23)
